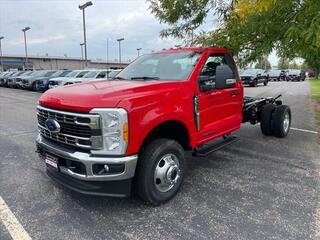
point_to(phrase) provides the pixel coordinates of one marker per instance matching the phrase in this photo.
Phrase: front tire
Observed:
(160, 171)
(265, 83)
(34, 87)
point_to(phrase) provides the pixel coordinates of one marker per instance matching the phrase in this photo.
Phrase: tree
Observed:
(283, 63)
(263, 63)
(250, 28)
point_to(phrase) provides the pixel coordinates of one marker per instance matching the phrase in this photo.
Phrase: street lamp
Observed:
(1, 54)
(83, 7)
(25, 43)
(81, 46)
(119, 40)
(138, 50)
(107, 52)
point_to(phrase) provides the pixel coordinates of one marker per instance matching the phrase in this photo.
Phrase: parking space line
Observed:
(12, 224)
(304, 130)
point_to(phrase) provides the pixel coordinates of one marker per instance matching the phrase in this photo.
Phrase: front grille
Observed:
(24, 81)
(76, 130)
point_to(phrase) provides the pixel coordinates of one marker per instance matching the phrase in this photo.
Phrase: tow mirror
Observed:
(224, 77)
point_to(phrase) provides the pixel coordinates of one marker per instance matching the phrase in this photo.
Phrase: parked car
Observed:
(11, 81)
(93, 75)
(30, 82)
(4, 78)
(311, 74)
(61, 81)
(109, 137)
(283, 75)
(42, 84)
(296, 75)
(254, 76)
(26, 74)
(274, 75)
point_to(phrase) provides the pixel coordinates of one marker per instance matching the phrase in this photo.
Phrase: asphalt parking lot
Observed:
(258, 188)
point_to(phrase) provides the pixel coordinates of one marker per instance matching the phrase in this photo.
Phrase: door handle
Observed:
(234, 94)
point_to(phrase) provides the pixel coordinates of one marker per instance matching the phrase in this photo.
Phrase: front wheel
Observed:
(160, 171)
(265, 83)
(34, 87)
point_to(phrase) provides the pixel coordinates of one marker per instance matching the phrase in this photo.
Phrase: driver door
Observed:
(220, 110)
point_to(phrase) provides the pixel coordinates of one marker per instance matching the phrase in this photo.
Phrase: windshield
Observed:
(161, 66)
(112, 74)
(38, 73)
(48, 74)
(72, 74)
(61, 73)
(27, 73)
(81, 74)
(91, 74)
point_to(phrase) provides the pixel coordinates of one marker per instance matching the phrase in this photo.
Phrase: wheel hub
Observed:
(286, 122)
(167, 172)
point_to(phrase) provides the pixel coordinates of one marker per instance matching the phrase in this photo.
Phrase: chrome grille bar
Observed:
(77, 129)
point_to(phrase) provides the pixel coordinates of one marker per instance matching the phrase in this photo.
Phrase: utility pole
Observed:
(25, 44)
(1, 54)
(81, 46)
(107, 53)
(83, 7)
(119, 41)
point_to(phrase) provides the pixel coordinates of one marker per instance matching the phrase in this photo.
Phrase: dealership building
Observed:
(55, 63)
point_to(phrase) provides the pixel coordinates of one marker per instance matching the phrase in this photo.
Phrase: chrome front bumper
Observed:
(130, 162)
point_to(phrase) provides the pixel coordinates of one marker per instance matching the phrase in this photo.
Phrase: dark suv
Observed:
(254, 76)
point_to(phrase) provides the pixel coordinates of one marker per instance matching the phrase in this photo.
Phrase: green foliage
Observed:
(250, 28)
(263, 63)
(284, 63)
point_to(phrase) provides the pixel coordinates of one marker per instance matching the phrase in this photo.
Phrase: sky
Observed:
(57, 30)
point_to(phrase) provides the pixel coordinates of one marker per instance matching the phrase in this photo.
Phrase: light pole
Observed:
(107, 52)
(138, 50)
(1, 54)
(25, 43)
(83, 7)
(119, 40)
(81, 46)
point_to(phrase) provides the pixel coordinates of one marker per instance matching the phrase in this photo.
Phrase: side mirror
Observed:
(224, 77)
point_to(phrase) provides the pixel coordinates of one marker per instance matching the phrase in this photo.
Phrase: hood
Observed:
(84, 97)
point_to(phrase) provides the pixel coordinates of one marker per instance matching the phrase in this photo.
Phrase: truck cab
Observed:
(104, 137)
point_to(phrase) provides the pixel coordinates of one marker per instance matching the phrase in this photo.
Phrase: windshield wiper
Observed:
(145, 78)
(118, 78)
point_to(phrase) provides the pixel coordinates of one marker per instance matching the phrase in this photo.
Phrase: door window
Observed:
(208, 72)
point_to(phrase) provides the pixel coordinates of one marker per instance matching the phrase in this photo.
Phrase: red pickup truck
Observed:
(109, 137)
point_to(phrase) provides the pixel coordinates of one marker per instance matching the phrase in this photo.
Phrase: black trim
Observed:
(120, 188)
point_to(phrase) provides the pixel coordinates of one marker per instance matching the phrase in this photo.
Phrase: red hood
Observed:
(86, 96)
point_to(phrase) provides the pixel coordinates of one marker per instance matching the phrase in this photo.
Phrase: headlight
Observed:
(115, 132)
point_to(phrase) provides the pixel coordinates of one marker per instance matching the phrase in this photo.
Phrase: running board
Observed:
(207, 148)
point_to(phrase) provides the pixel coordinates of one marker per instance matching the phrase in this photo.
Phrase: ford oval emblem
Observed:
(52, 125)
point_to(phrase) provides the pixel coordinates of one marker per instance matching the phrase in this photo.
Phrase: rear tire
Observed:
(281, 121)
(266, 118)
(160, 171)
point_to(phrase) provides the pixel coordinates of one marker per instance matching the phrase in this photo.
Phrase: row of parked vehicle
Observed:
(254, 76)
(287, 75)
(46, 79)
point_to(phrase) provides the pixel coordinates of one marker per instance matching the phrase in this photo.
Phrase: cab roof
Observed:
(194, 49)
